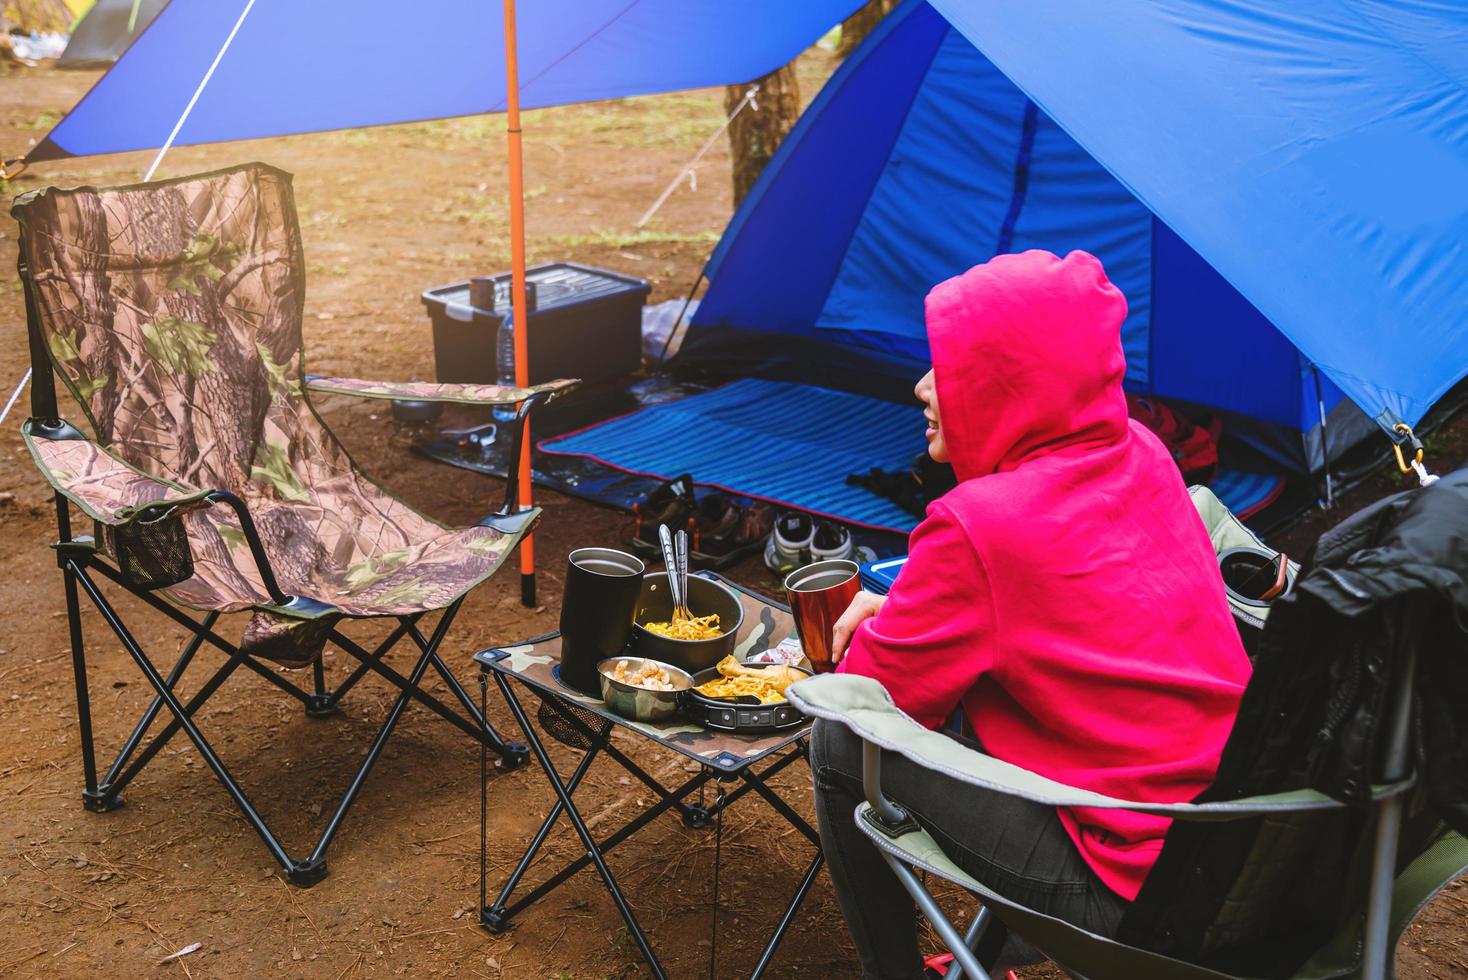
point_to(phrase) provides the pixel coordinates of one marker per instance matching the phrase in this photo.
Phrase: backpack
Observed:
(1193, 447)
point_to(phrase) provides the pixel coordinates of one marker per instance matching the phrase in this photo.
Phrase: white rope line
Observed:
(688, 170)
(168, 143)
(15, 395)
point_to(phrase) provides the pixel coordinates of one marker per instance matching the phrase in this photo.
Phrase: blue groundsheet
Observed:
(794, 445)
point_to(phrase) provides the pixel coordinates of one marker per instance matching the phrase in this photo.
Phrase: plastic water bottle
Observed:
(505, 363)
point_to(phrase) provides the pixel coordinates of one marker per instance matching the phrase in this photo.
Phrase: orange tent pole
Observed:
(517, 284)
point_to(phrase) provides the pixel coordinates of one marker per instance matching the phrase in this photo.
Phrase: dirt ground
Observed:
(387, 213)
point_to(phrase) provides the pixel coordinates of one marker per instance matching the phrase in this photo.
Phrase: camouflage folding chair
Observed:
(172, 312)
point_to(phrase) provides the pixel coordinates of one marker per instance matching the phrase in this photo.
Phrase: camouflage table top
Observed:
(766, 623)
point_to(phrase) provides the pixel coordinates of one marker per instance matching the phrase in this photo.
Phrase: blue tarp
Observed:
(1260, 280)
(299, 66)
(1307, 162)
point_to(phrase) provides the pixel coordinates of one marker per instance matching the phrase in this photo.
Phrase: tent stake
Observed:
(517, 281)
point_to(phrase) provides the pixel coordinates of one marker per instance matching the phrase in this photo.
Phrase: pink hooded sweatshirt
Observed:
(1065, 593)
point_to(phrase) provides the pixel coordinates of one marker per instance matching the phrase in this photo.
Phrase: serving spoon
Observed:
(675, 580)
(681, 540)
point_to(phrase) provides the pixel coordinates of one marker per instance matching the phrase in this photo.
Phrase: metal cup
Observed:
(819, 594)
(481, 293)
(602, 586)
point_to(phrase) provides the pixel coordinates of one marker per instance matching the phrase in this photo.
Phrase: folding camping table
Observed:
(585, 723)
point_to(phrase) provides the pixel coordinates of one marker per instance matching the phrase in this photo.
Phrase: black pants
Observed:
(1016, 847)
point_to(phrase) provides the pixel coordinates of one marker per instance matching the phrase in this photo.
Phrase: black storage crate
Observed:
(586, 323)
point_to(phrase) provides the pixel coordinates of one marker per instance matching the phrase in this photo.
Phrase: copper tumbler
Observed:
(818, 595)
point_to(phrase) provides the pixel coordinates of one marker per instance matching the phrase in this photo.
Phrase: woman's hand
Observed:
(863, 607)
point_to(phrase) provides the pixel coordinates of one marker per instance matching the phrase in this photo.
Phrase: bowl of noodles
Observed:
(741, 697)
(693, 644)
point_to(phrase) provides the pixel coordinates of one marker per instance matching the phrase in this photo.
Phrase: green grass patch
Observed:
(672, 119)
(44, 119)
(610, 238)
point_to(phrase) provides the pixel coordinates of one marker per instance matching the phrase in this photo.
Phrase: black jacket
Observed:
(1390, 581)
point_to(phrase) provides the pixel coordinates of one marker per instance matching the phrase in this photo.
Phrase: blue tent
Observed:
(921, 158)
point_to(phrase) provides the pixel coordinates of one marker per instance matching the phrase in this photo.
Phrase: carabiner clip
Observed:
(1424, 478)
(1405, 431)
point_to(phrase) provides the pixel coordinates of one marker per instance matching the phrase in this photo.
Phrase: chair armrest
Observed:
(511, 502)
(463, 394)
(106, 488)
(864, 706)
(116, 493)
(427, 391)
(1225, 530)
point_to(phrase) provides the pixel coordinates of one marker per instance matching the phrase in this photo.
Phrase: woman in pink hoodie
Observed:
(1065, 595)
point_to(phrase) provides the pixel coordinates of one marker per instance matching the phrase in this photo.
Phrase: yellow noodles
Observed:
(736, 680)
(694, 628)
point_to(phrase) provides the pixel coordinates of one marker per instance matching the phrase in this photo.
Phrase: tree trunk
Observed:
(755, 133)
(855, 28)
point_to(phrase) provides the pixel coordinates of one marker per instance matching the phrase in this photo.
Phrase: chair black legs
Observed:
(512, 754)
(321, 704)
(90, 798)
(135, 754)
(112, 783)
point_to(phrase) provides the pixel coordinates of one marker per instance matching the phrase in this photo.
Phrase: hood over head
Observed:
(1027, 360)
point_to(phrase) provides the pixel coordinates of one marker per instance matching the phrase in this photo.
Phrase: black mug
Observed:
(481, 293)
(602, 587)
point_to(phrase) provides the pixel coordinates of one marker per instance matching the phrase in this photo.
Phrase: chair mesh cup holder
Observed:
(1254, 576)
(151, 552)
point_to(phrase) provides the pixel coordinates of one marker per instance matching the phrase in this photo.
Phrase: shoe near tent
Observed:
(105, 31)
(921, 158)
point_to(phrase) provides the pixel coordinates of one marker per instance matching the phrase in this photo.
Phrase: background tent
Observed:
(41, 15)
(1315, 153)
(106, 30)
(921, 158)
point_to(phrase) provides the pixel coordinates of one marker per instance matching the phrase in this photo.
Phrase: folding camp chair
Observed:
(1395, 897)
(1403, 862)
(172, 312)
